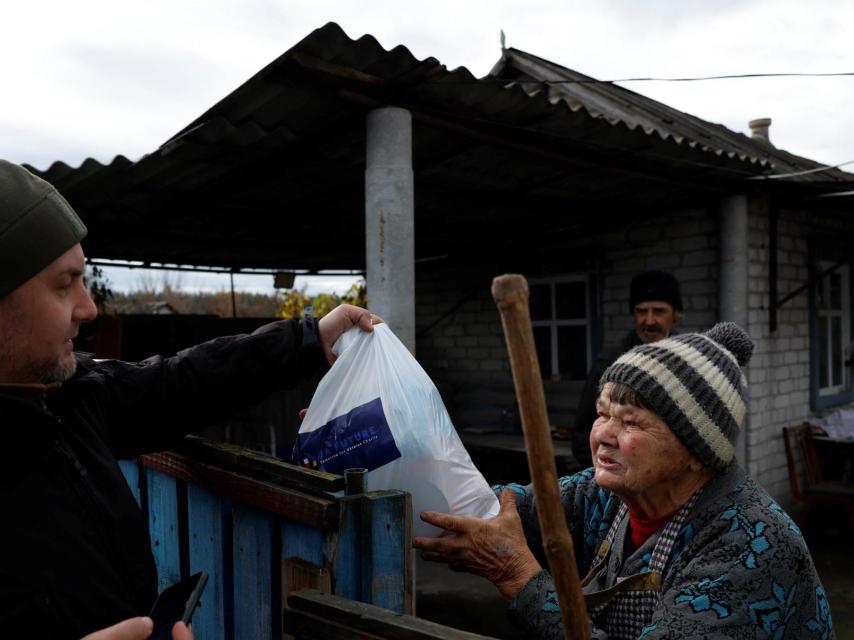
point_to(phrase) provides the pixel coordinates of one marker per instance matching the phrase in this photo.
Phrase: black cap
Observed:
(654, 285)
(37, 226)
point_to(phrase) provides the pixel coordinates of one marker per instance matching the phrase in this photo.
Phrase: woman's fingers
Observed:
(433, 557)
(457, 524)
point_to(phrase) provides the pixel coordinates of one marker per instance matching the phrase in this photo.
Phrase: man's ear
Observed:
(677, 316)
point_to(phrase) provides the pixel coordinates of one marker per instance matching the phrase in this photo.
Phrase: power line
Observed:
(735, 76)
(793, 174)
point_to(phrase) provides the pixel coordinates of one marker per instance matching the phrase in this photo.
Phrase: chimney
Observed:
(759, 130)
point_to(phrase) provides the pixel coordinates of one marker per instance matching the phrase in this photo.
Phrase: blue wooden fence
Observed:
(260, 539)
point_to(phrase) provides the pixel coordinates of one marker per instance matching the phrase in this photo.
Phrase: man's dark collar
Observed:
(33, 391)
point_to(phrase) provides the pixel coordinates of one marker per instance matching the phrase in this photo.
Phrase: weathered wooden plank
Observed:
(163, 527)
(253, 462)
(313, 510)
(307, 543)
(303, 544)
(371, 553)
(386, 547)
(299, 574)
(207, 553)
(316, 615)
(345, 551)
(130, 470)
(254, 574)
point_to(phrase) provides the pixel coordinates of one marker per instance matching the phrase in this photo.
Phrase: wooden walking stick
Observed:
(511, 295)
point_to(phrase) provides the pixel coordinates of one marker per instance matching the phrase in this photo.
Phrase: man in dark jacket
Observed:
(655, 304)
(75, 553)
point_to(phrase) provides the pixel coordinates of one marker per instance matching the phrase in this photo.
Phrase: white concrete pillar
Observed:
(390, 221)
(732, 281)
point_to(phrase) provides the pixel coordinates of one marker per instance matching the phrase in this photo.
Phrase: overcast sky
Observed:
(94, 78)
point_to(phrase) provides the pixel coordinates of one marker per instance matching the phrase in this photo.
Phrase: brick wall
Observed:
(468, 348)
(458, 330)
(460, 343)
(465, 353)
(683, 243)
(779, 372)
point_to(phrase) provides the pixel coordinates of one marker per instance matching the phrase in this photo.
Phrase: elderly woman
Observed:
(671, 536)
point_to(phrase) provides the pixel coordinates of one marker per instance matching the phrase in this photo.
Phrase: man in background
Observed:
(655, 304)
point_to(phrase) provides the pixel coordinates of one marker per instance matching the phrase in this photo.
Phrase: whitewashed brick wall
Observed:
(778, 373)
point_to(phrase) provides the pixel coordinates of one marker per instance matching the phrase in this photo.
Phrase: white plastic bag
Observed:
(377, 408)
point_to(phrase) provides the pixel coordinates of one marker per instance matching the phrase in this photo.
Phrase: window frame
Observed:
(554, 323)
(822, 398)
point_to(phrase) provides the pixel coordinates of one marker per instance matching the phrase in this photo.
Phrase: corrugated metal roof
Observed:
(272, 176)
(620, 106)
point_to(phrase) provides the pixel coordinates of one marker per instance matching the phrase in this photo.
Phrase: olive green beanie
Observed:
(37, 226)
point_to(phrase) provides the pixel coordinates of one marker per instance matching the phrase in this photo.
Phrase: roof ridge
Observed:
(615, 103)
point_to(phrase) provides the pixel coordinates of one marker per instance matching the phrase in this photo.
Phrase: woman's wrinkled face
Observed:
(635, 454)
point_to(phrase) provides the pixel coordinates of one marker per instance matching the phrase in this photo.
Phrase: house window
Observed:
(560, 311)
(831, 335)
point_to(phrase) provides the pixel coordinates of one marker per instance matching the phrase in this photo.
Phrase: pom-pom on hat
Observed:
(37, 226)
(694, 383)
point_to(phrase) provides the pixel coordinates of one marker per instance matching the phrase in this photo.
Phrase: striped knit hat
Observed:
(694, 383)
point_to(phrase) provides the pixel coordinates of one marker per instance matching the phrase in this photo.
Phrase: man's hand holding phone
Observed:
(169, 617)
(175, 605)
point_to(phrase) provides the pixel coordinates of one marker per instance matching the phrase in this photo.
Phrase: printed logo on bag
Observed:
(359, 438)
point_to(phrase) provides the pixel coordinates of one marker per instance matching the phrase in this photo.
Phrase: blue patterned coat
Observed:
(739, 569)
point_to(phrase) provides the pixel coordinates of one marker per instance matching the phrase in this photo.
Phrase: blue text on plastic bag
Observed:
(359, 438)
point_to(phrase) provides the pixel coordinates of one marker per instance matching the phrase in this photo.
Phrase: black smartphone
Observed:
(176, 604)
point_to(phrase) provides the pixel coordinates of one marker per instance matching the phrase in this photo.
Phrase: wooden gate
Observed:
(263, 529)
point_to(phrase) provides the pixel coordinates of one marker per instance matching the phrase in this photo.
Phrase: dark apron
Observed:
(624, 609)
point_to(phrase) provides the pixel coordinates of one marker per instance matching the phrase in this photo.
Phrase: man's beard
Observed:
(44, 372)
(56, 371)
(654, 334)
(12, 337)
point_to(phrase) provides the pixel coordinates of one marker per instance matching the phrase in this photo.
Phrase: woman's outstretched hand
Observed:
(493, 548)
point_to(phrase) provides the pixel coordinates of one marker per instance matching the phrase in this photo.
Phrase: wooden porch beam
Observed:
(561, 159)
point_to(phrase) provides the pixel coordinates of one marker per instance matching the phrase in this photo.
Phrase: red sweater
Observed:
(641, 530)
